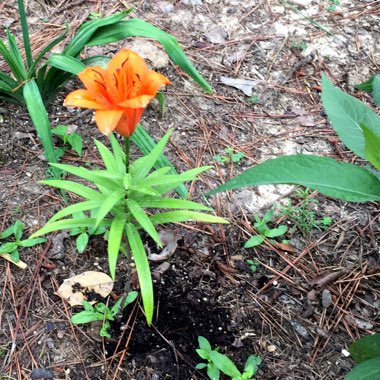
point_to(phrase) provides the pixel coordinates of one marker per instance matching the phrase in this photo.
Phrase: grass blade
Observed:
(25, 32)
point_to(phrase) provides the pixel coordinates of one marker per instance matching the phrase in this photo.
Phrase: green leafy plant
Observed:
(358, 126)
(101, 312)
(217, 362)
(10, 248)
(365, 352)
(126, 196)
(302, 215)
(35, 81)
(69, 138)
(261, 226)
(253, 264)
(229, 157)
(333, 5)
(84, 233)
(372, 85)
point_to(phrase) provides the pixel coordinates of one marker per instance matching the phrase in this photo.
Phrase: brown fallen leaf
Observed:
(75, 289)
(325, 278)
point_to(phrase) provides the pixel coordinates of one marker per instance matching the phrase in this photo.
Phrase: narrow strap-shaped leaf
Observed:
(184, 216)
(45, 50)
(143, 270)
(68, 224)
(7, 80)
(25, 32)
(139, 28)
(114, 242)
(107, 157)
(98, 177)
(172, 203)
(16, 55)
(145, 143)
(40, 120)
(10, 61)
(75, 208)
(143, 219)
(141, 167)
(108, 204)
(66, 63)
(336, 179)
(73, 187)
(118, 152)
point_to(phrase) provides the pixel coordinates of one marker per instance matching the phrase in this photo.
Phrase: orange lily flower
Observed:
(119, 93)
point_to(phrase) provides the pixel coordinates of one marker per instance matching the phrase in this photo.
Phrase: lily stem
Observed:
(127, 144)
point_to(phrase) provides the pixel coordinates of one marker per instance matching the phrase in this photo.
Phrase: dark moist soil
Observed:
(306, 301)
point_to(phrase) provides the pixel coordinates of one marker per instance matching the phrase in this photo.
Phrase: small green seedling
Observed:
(333, 5)
(12, 246)
(101, 312)
(303, 216)
(229, 157)
(217, 362)
(84, 233)
(254, 99)
(95, 16)
(299, 45)
(253, 264)
(68, 138)
(264, 231)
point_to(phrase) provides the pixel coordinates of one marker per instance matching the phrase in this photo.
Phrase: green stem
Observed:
(25, 32)
(127, 144)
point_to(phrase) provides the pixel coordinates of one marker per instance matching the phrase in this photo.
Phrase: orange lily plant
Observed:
(130, 196)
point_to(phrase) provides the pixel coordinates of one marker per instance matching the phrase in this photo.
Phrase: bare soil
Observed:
(307, 300)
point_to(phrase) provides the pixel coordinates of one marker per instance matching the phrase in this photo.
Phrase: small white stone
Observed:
(275, 283)
(345, 353)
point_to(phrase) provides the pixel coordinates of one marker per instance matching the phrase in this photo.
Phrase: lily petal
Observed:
(85, 99)
(107, 120)
(138, 102)
(153, 82)
(128, 122)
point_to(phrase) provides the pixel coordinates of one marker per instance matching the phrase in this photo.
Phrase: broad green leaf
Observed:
(17, 231)
(365, 348)
(224, 364)
(275, 232)
(366, 86)
(66, 63)
(107, 157)
(172, 203)
(213, 372)
(143, 270)
(202, 353)
(347, 114)
(40, 120)
(372, 147)
(108, 204)
(123, 302)
(335, 179)
(86, 316)
(81, 242)
(8, 247)
(31, 242)
(184, 216)
(75, 208)
(145, 143)
(204, 344)
(75, 188)
(201, 366)
(7, 232)
(68, 224)
(114, 242)
(254, 241)
(76, 142)
(376, 90)
(15, 256)
(87, 306)
(368, 370)
(139, 28)
(143, 219)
